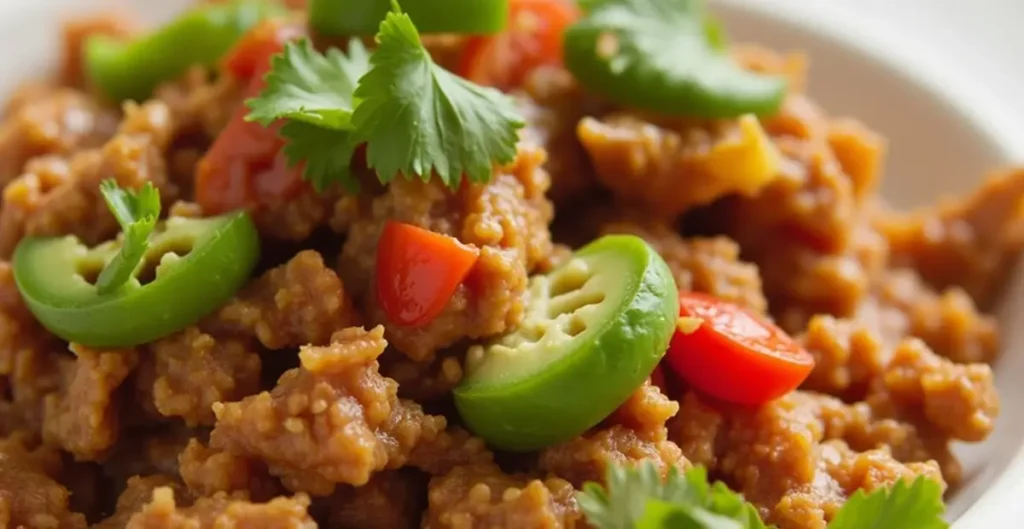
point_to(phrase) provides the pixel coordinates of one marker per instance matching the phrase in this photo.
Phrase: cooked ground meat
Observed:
(82, 417)
(506, 218)
(483, 496)
(299, 404)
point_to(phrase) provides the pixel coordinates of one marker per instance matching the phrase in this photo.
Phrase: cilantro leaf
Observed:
(665, 56)
(305, 85)
(137, 213)
(638, 498)
(418, 119)
(660, 514)
(902, 506)
(327, 154)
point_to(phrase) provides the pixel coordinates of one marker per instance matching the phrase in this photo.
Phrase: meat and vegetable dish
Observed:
(474, 264)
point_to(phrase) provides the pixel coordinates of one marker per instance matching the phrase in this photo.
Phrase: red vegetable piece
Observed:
(245, 168)
(418, 271)
(734, 354)
(251, 56)
(533, 38)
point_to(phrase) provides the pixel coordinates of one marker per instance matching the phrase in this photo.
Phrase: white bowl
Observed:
(943, 133)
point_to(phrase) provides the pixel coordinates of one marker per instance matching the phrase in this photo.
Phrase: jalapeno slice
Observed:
(595, 328)
(196, 266)
(363, 17)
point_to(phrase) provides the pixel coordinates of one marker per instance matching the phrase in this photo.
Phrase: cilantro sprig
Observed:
(137, 213)
(415, 118)
(917, 505)
(306, 85)
(638, 498)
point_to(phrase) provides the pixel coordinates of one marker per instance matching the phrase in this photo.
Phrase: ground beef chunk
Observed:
(390, 500)
(970, 241)
(29, 494)
(300, 302)
(59, 123)
(200, 104)
(223, 510)
(207, 471)
(840, 472)
(83, 417)
(671, 168)
(146, 448)
(424, 381)
(959, 400)
(702, 264)
(60, 202)
(296, 218)
(787, 457)
(635, 432)
(646, 410)
(913, 399)
(184, 374)
(31, 361)
(812, 242)
(506, 219)
(333, 420)
(847, 356)
(137, 493)
(949, 322)
(552, 104)
(482, 496)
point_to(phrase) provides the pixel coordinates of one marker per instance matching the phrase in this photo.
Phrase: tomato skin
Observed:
(251, 56)
(533, 38)
(245, 167)
(418, 271)
(735, 355)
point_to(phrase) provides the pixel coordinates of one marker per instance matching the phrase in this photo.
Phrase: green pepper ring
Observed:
(47, 271)
(526, 394)
(363, 17)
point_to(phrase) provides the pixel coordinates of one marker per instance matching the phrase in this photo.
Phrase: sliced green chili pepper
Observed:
(595, 328)
(363, 17)
(666, 56)
(132, 69)
(196, 264)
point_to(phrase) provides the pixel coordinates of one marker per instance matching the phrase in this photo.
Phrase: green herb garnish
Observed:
(917, 505)
(638, 498)
(137, 213)
(416, 118)
(666, 56)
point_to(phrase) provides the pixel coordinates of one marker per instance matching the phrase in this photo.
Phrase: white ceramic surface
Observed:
(943, 132)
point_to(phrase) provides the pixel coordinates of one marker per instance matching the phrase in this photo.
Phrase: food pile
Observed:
(474, 264)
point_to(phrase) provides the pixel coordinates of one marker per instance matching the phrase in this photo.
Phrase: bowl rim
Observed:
(907, 59)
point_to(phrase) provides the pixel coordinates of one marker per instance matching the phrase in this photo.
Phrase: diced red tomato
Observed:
(734, 354)
(251, 56)
(245, 168)
(418, 271)
(533, 38)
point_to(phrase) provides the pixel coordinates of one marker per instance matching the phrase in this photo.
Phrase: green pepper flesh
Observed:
(132, 69)
(363, 17)
(667, 57)
(594, 330)
(221, 254)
